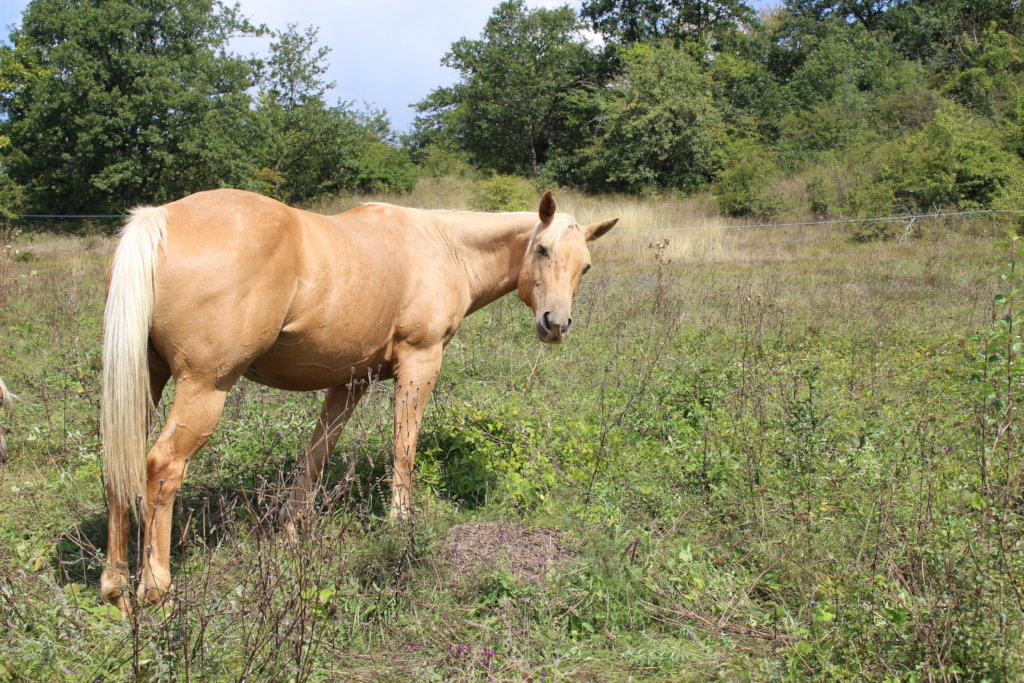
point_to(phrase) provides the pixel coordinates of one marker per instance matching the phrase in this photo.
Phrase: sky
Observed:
(385, 53)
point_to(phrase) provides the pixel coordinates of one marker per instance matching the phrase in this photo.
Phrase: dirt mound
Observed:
(481, 546)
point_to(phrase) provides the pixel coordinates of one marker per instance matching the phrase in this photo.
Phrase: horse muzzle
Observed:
(550, 330)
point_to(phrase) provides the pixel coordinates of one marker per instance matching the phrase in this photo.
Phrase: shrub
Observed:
(11, 196)
(822, 197)
(748, 188)
(503, 193)
(383, 168)
(479, 451)
(951, 162)
(436, 161)
(659, 125)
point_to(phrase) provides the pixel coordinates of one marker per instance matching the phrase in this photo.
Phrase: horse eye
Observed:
(586, 268)
(542, 250)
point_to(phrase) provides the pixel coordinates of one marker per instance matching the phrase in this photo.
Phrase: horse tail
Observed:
(124, 417)
(6, 395)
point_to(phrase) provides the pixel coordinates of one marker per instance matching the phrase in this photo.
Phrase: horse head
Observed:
(556, 259)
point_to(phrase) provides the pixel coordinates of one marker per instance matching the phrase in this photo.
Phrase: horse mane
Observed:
(560, 224)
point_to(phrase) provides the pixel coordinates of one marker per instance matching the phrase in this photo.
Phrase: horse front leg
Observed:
(415, 376)
(338, 407)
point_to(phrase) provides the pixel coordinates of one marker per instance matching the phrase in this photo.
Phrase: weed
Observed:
(765, 454)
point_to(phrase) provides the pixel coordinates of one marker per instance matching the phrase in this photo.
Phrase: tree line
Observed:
(873, 105)
(110, 103)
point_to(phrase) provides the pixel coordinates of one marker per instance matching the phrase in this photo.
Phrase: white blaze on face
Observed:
(555, 259)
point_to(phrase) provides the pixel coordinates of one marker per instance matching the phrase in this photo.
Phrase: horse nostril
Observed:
(544, 320)
(568, 326)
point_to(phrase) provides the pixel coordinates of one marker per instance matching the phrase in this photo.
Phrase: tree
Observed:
(302, 146)
(953, 161)
(117, 102)
(703, 23)
(868, 12)
(515, 101)
(306, 148)
(944, 33)
(659, 125)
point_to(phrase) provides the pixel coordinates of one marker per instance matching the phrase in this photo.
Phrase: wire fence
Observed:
(70, 215)
(908, 218)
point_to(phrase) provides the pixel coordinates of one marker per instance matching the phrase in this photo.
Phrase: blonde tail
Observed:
(124, 420)
(6, 395)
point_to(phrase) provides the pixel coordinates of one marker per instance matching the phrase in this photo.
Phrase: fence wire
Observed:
(908, 218)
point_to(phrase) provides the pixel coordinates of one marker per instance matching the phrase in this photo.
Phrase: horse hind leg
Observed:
(194, 415)
(115, 580)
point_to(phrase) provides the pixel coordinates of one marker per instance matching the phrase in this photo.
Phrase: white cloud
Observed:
(387, 53)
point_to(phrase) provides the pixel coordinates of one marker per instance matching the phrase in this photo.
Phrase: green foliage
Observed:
(513, 103)
(749, 97)
(308, 149)
(113, 103)
(437, 161)
(703, 23)
(852, 90)
(503, 193)
(816, 82)
(991, 77)
(384, 168)
(25, 256)
(167, 111)
(660, 126)
(870, 13)
(11, 196)
(822, 197)
(749, 187)
(951, 162)
(480, 452)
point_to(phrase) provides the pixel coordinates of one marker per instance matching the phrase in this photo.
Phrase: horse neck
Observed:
(490, 249)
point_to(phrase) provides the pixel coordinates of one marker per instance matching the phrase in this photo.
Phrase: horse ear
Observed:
(595, 230)
(547, 208)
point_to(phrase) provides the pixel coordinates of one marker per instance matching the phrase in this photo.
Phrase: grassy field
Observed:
(766, 454)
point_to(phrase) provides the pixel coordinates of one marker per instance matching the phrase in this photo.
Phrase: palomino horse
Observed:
(226, 284)
(5, 398)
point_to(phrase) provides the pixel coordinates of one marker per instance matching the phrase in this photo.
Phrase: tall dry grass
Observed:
(678, 228)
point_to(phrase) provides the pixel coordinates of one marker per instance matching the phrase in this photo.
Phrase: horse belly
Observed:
(303, 362)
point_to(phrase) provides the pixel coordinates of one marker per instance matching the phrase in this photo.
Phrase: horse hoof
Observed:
(150, 596)
(114, 588)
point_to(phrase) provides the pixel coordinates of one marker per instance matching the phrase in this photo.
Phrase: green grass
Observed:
(775, 453)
